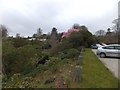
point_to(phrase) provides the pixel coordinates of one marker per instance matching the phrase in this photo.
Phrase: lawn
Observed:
(95, 74)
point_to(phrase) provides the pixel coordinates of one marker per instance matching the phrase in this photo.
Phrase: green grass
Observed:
(95, 74)
(0, 48)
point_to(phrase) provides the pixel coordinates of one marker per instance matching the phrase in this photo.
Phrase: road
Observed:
(113, 64)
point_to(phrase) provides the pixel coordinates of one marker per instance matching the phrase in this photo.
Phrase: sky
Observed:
(26, 16)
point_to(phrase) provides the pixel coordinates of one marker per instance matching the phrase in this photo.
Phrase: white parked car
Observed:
(112, 50)
(96, 46)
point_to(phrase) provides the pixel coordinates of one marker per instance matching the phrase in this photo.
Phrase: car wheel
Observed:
(102, 55)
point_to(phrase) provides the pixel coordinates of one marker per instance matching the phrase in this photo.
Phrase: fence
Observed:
(77, 74)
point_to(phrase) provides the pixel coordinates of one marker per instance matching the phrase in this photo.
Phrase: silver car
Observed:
(112, 50)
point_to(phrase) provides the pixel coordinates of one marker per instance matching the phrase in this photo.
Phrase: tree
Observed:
(100, 33)
(54, 37)
(4, 31)
(39, 32)
(78, 39)
(88, 38)
(116, 28)
(34, 35)
(116, 23)
(83, 28)
(76, 26)
(17, 35)
(108, 30)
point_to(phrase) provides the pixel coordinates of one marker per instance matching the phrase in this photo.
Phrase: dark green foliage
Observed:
(36, 42)
(43, 59)
(36, 70)
(20, 42)
(62, 55)
(54, 50)
(64, 45)
(24, 58)
(71, 53)
(53, 64)
(88, 38)
(76, 39)
(46, 45)
(53, 61)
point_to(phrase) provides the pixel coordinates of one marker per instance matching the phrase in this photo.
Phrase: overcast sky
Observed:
(26, 16)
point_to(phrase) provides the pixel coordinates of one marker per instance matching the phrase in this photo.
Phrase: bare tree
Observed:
(54, 37)
(116, 29)
(39, 32)
(4, 31)
(100, 33)
(76, 26)
(17, 35)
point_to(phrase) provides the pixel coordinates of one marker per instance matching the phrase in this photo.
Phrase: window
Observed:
(109, 47)
(117, 47)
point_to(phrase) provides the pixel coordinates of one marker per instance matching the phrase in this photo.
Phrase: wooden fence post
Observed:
(77, 74)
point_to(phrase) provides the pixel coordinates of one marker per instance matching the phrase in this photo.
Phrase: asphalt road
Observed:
(113, 64)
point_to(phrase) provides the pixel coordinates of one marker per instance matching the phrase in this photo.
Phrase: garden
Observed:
(35, 64)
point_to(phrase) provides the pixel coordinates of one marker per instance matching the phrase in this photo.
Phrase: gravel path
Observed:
(113, 64)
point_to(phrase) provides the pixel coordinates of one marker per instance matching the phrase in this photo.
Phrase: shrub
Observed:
(71, 53)
(53, 64)
(54, 50)
(19, 81)
(39, 69)
(20, 42)
(77, 39)
(46, 46)
(24, 58)
(61, 55)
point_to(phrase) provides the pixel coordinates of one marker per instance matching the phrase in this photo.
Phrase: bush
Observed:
(54, 50)
(78, 39)
(72, 53)
(24, 58)
(46, 46)
(19, 81)
(53, 64)
(39, 69)
(20, 42)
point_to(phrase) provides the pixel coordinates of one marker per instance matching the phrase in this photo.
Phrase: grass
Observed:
(95, 74)
(0, 48)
